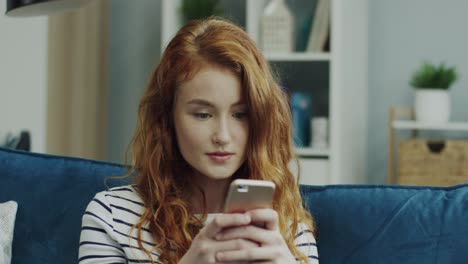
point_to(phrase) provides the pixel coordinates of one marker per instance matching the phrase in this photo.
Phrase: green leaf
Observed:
(199, 9)
(430, 76)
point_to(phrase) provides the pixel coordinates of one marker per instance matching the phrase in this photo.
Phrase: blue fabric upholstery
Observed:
(52, 193)
(390, 224)
(356, 224)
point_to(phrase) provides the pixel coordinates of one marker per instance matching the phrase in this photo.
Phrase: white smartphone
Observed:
(244, 195)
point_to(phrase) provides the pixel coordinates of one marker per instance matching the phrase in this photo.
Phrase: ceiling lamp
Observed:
(25, 8)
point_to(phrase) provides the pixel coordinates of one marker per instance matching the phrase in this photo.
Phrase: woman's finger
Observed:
(267, 216)
(259, 235)
(250, 254)
(224, 221)
(233, 245)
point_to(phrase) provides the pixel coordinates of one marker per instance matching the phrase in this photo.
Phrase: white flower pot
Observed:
(432, 105)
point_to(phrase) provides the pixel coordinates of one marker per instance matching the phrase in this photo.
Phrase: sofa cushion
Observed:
(356, 224)
(7, 226)
(390, 224)
(52, 193)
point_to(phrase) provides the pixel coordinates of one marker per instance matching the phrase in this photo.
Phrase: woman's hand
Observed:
(204, 246)
(271, 246)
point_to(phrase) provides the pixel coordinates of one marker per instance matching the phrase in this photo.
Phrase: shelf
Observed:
(298, 56)
(332, 76)
(312, 152)
(450, 126)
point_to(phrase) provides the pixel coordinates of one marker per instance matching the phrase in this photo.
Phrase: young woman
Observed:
(212, 113)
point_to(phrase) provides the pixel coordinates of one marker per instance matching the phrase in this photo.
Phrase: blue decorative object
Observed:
(301, 113)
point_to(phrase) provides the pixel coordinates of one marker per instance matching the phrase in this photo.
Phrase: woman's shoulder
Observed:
(126, 194)
(120, 198)
(122, 202)
(112, 214)
(130, 189)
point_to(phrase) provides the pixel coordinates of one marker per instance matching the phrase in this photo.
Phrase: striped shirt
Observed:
(107, 235)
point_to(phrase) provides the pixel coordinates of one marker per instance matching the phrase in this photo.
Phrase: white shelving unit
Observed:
(313, 152)
(410, 124)
(344, 162)
(298, 56)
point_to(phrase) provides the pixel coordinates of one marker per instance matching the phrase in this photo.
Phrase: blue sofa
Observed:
(355, 223)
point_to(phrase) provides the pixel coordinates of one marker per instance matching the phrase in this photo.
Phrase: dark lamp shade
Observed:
(25, 8)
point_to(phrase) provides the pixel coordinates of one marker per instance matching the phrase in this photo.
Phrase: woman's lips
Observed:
(220, 157)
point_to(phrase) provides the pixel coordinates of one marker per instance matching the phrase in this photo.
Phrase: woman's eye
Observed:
(240, 115)
(202, 115)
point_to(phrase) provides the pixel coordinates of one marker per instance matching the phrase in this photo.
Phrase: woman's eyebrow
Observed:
(208, 103)
(200, 102)
(241, 103)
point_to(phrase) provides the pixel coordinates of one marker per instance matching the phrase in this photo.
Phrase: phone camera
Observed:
(242, 188)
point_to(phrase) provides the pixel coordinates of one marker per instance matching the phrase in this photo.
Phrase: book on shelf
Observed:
(320, 29)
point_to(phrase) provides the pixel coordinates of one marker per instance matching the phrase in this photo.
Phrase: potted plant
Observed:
(199, 9)
(432, 100)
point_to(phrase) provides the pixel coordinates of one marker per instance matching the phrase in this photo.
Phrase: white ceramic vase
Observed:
(277, 31)
(432, 105)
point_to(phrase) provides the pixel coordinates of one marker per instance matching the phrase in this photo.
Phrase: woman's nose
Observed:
(221, 134)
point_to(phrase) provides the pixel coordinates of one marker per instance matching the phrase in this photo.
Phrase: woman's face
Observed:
(211, 122)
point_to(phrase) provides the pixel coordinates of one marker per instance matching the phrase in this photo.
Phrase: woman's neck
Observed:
(215, 191)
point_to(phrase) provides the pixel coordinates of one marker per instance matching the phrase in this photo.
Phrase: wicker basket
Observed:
(418, 165)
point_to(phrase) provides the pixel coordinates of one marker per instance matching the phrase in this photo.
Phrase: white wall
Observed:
(402, 34)
(134, 50)
(23, 77)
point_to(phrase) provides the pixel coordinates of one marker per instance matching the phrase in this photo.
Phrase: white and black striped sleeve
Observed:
(97, 244)
(306, 243)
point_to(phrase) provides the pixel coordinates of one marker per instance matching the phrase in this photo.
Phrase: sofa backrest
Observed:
(52, 193)
(390, 224)
(355, 223)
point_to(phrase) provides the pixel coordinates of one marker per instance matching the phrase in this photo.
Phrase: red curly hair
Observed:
(159, 163)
